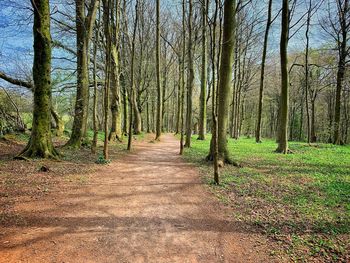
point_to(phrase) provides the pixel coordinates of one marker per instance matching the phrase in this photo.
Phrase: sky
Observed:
(16, 52)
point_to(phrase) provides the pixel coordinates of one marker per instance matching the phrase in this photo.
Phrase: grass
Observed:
(301, 200)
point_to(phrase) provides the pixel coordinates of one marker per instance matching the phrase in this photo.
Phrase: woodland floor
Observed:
(145, 206)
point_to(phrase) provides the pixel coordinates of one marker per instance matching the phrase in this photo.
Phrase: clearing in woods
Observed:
(147, 206)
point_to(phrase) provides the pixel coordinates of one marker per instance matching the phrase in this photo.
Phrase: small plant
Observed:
(102, 160)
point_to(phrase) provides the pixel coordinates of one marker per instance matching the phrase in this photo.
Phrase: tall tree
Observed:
(284, 98)
(203, 96)
(159, 90)
(182, 89)
(116, 130)
(190, 79)
(84, 27)
(225, 77)
(132, 73)
(95, 96)
(107, 30)
(307, 36)
(214, 139)
(262, 72)
(342, 32)
(40, 143)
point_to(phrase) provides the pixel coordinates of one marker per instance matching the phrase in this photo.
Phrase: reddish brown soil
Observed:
(148, 206)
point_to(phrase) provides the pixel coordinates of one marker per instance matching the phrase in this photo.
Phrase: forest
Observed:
(174, 131)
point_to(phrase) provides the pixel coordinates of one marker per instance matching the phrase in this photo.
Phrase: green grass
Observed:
(305, 194)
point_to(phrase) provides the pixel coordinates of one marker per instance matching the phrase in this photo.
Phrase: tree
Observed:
(341, 29)
(214, 139)
(40, 143)
(132, 73)
(115, 131)
(284, 98)
(95, 96)
(84, 27)
(159, 90)
(107, 30)
(182, 89)
(203, 96)
(307, 36)
(262, 72)
(190, 77)
(225, 77)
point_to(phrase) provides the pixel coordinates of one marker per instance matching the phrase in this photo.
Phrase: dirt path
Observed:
(149, 206)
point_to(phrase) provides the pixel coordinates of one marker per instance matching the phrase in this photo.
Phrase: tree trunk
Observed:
(59, 129)
(116, 130)
(183, 75)
(132, 73)
(147, 117)
(214, 152)
(159, 90)
(313, 137)
(137, 114)
(84, 27)
(225, 78)
(343, 17)
(307, 70)
(178, 117)
(107, 31)
(262, 74)
(190, 81)
(125, 105)
(94, 110)
(284, 100)
(202, 98)
(40, 143)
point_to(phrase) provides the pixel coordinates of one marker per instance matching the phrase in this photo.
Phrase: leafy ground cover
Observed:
(300, 200)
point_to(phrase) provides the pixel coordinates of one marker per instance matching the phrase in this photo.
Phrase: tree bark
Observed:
(190, 81)
(262, 74)
(307, 71)
(116, 130)
(40, 144)
(202, 98)
(159, 90)
(344, 27)
(225, 77)
(95, 96)
(284, 100)
(182, 91)
(132, 73)
(107, 32)
(84, 26)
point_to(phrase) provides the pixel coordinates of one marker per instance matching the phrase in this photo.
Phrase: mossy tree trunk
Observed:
(284, 99)
(84, 26)
(115, 131)
(40, 143)
(59, 128)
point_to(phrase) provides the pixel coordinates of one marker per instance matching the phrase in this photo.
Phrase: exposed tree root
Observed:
(38, 151)
(223, 160)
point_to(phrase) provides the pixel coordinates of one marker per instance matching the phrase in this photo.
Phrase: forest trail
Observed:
(148, 206)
